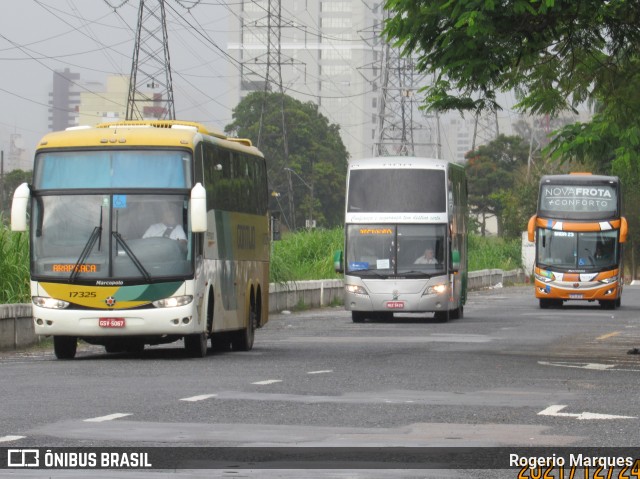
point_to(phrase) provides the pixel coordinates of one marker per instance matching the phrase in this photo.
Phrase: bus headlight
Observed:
(355, 289)
(544, 279)
(173, 302)
(49, 303)
(613, 279)
(436, 289)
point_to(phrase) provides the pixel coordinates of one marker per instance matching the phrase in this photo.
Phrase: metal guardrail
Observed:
(16, 324)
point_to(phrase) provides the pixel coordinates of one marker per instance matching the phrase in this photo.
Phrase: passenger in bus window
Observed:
(168, 227)
(427, 258)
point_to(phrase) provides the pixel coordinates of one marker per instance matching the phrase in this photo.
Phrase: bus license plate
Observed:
(395, 304)
(575, 296)
(111, 322)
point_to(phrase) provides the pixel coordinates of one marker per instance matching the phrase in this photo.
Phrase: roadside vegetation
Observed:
(306, 255)
(14, 267)
(300, 256)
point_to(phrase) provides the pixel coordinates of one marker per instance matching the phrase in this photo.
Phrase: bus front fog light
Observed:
(39, 321)
(186, 320)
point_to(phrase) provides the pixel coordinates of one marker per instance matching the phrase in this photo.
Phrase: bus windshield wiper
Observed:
(86, 251)
(369, 272)
(417, 273)
(120, 241)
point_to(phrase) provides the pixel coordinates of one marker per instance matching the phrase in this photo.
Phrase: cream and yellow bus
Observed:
(146, 232)
(579, 232)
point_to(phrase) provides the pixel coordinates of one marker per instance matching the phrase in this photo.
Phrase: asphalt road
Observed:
(507, 375)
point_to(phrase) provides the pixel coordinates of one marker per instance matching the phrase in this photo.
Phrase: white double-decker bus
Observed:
(405, 238)
(146, 232)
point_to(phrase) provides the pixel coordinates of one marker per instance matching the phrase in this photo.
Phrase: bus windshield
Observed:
(108, 236)
(103, 169)
(396, 191)
(385, 249)
(596, 250)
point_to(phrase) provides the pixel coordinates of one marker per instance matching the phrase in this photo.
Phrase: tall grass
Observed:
(305, 255)
(14, 266)
(490, 252)
(308, 255)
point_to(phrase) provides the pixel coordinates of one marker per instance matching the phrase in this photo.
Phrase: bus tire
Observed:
(457, 313)
(243, 340)
(441, 316)
(545, 303)
(196, 345)
(65, 347)
(358, 316)
(607, 303)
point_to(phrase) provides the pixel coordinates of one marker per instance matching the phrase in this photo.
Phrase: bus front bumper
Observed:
(405, 303)
(585, 291)
(158, 321)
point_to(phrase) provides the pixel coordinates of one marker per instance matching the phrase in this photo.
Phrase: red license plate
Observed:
(111, 322)
(395, 304)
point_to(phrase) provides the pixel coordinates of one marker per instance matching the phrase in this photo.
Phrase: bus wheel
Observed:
(358, 316)
(442, 316)
(457, 313)
(607, 304)
(243, 339)
(618, 302)
(65, 347)
(196, 345)
(545, 303)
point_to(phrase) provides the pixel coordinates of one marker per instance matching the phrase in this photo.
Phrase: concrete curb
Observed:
(16, 324)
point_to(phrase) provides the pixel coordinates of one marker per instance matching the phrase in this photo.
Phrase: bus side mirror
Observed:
(198, 209)
(624, 229)
(455, 261)
(531, 229)
(338, 262)
(19, 208)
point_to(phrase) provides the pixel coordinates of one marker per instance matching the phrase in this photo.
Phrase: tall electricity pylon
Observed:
(264, 73)
(150, 86)
(485, 128)
(402, 128)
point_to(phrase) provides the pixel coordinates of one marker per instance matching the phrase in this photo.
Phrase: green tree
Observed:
(317, 157)
(492, 169)
(555, 54)
(10, 182)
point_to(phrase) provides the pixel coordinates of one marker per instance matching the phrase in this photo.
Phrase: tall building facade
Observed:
(104, 104)
(64, 100)
(324, 51)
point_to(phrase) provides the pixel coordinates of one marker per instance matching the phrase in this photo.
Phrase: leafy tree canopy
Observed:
(315, 154)
(555, 53)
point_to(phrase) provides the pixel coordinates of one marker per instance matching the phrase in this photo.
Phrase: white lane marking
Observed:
(595, 366)
(324, 371)
(11, 438)
(110, 417)
(199, 398)
(268, 381)
(555, 409)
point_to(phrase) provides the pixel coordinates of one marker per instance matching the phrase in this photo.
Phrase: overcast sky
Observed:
(96, 38)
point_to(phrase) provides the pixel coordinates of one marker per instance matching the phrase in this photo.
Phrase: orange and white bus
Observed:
(146, 232)
(579, 232)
